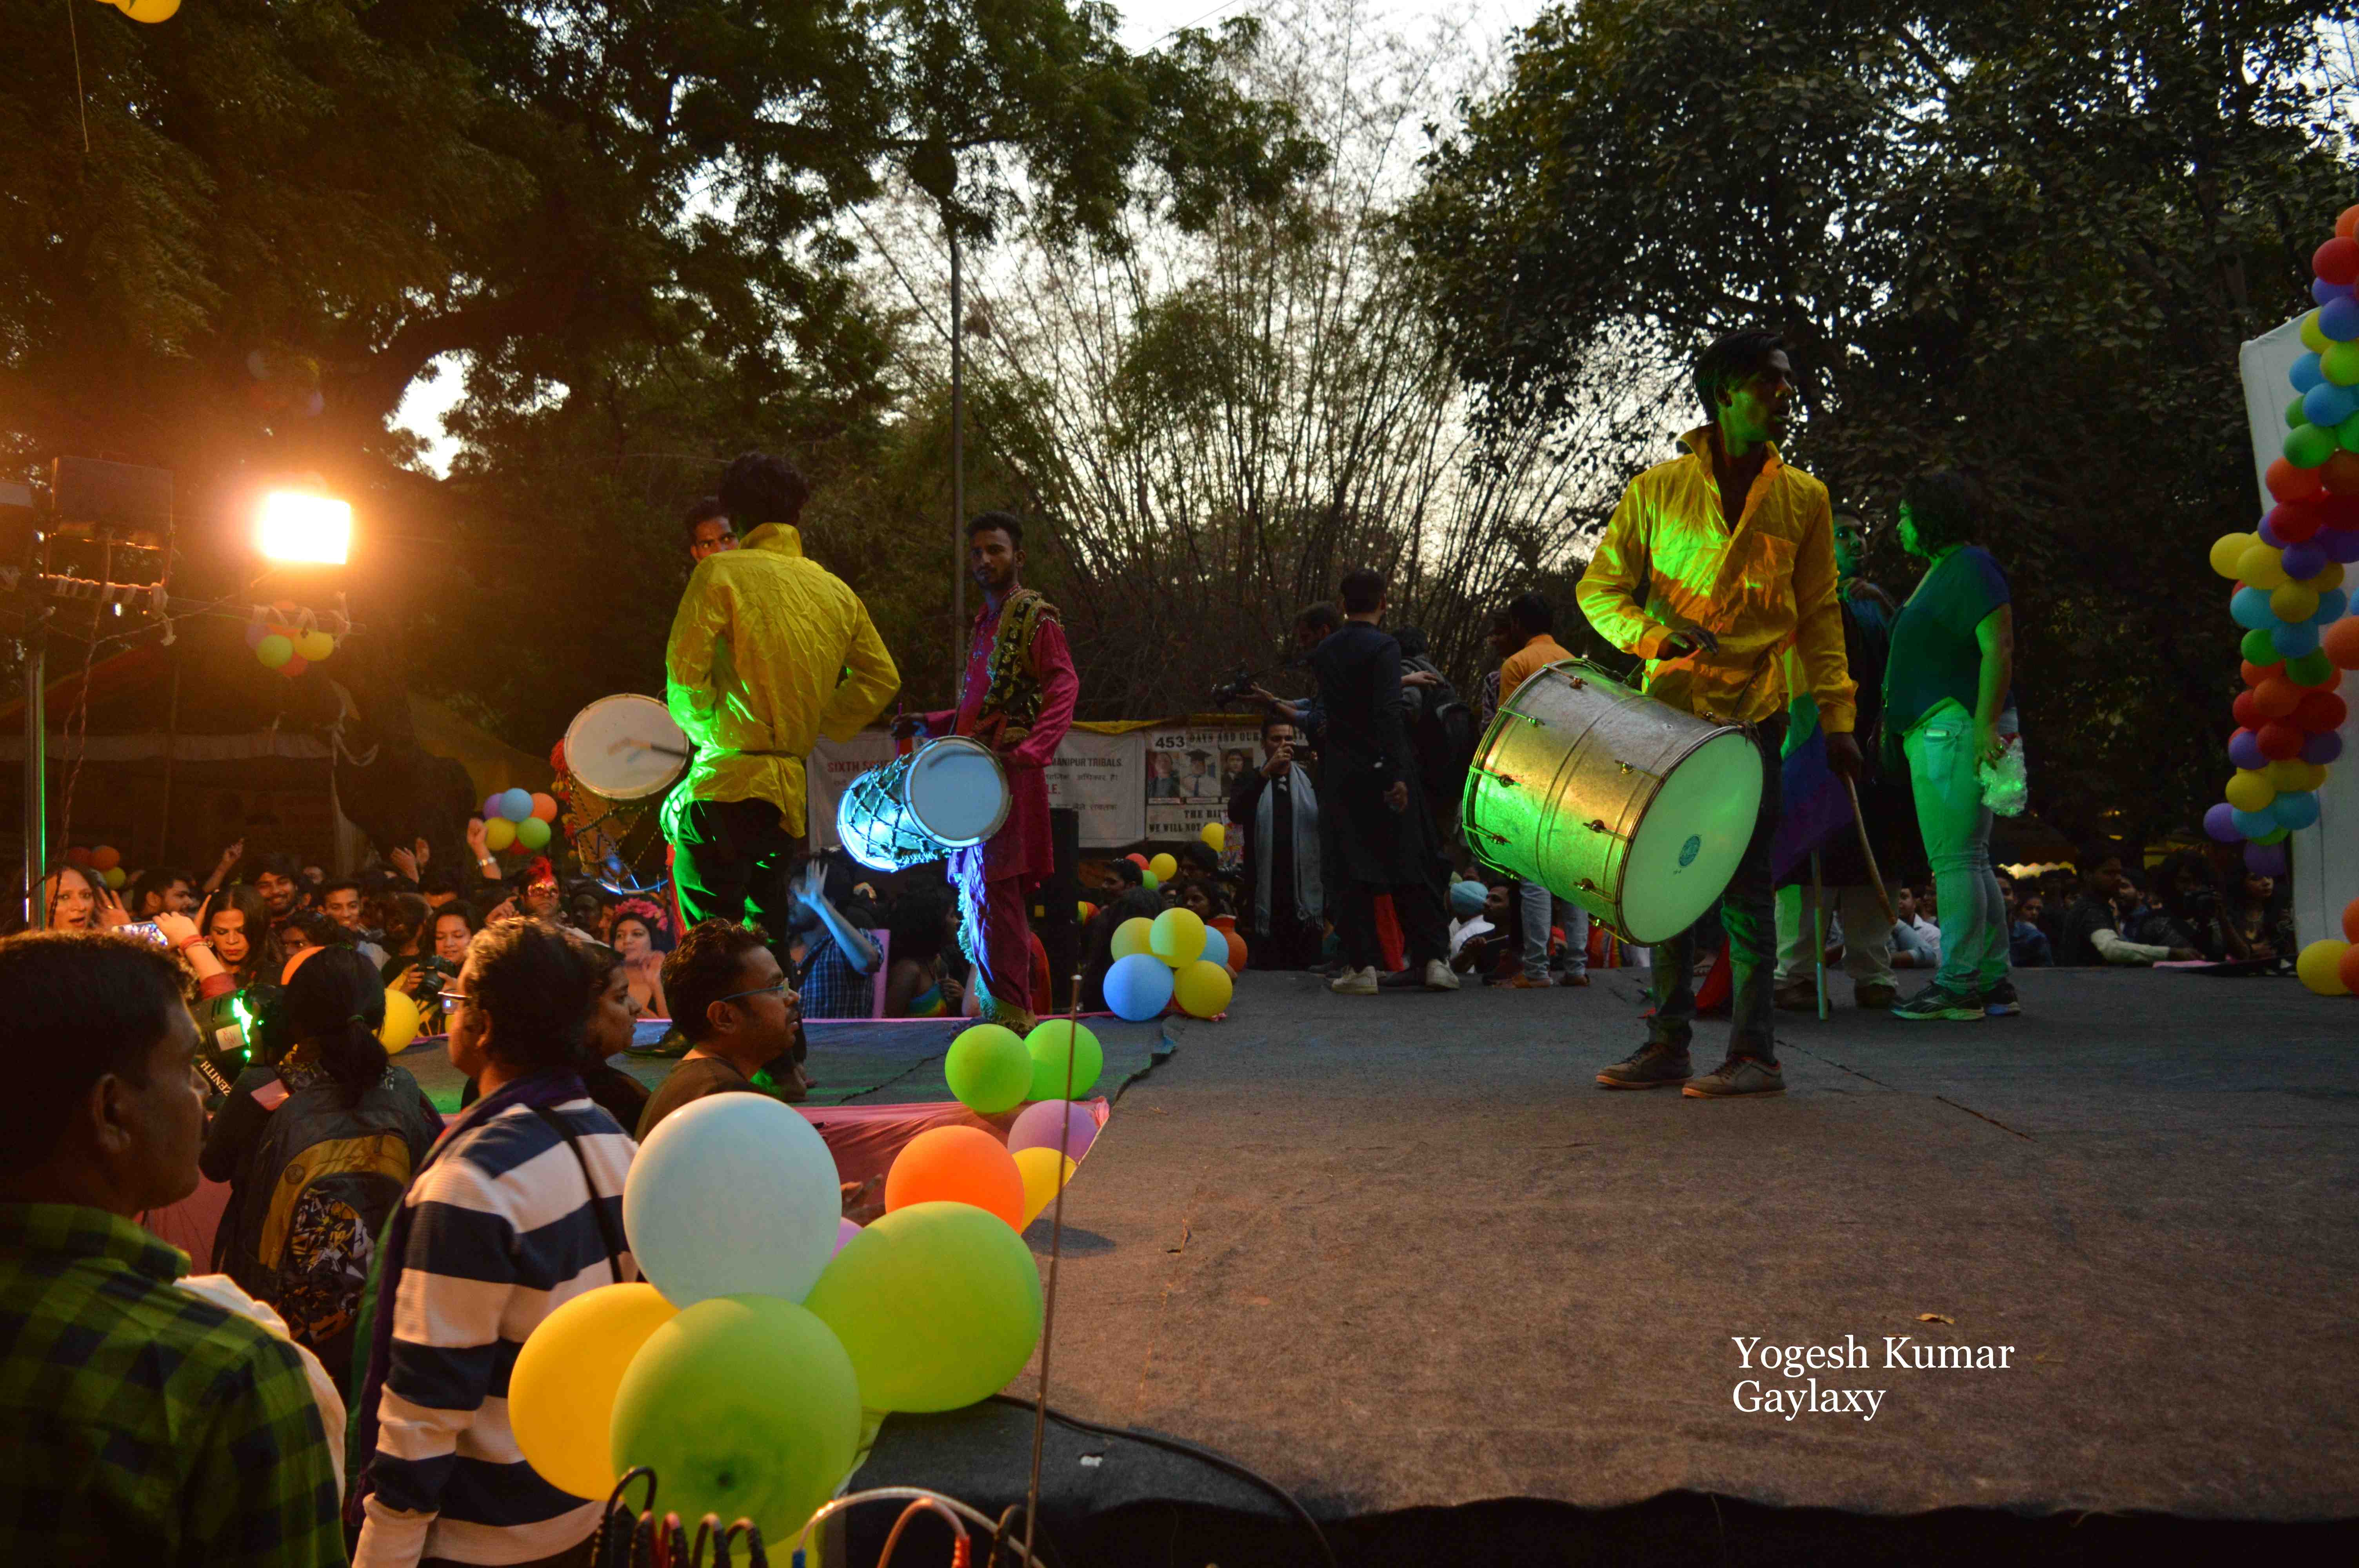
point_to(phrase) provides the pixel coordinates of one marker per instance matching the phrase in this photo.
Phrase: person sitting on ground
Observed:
(162, 891)
(633, 932)
(1916, 941)
(732, 1001)
(237, 924)
(2092, 928)
(140, 1422)
(317, 1141)
(2259, 919)
(613, 1017)
(2185, 910)
(1486, 941)
(919, 982)
(1201, 896)
(2028, 945)
(514, 1213)
(836, 975)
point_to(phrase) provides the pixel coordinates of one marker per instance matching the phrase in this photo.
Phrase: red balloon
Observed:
(1136, 859)
(78, 855)
(2347, 967)
(2341, 473)
(295, 666)
(2351, 910)
(2248, 715)
(2276, 697)
(2288, 482)
(2340, 643)
(2282, 741)
(2256, 673)
(2294, 521)
(2337, 261)
(2321, 711)
(2339, 511)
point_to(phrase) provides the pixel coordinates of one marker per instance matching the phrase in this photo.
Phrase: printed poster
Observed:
(1191, 774)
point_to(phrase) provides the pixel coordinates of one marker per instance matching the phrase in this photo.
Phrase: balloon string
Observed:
(82, 105)
(1056, 1250)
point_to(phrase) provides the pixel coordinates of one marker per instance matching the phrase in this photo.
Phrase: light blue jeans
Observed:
(1540, 906)
(1942, 769)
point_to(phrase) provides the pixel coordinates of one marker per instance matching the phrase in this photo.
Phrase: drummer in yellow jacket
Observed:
(769, 650)
(1718, 567)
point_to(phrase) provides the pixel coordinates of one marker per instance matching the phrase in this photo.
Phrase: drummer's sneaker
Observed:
(1937, 1001)
(1653, 1066)
(1355, 982)
(1738, 1076)
(1440, 977)
(2000, 1001)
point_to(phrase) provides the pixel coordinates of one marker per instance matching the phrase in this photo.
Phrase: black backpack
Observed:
(1442, 737)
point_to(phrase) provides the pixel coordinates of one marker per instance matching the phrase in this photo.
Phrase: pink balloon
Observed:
(845, 1231)
(254, 633)
(1036, 1127)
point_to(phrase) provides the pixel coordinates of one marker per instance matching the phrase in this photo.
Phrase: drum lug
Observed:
(1508, 779)
(1586, 885)
(1597, 824)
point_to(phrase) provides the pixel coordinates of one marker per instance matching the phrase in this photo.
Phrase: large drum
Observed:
(1630, 809)
(623, 753)
(948, 795)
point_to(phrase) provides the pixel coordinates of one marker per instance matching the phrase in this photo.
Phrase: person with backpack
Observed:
(1525, 635)
(317, 1141)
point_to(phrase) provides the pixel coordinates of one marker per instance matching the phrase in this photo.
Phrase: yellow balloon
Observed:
(2294, 603)
(1039, 1168)
(1203, 989)
(2326, 578)
(1163, 866)
(562, 1390)
(2249, 791)
(315, 645)
(150, 10)
(2260, 567)
(2313, 336)
(1131, 935)
(2320, 967)
(2293, 774)
(2228, 549)
(1216, 834)
(401, 1021)
(1178, 937)
(498, 834)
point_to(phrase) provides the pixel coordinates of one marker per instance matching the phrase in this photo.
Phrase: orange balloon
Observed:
(1236, 952)
(544, 807)
(2341, 473)
(2347, 225)
(286, 975)
(2348, 968)
(2351, 920)
(2340, 643)
(957, 1164)
(105, 858)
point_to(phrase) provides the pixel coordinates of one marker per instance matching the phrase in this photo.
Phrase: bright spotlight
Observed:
(299, 527)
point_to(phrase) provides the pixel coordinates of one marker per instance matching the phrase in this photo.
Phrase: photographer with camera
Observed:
(1279, 810)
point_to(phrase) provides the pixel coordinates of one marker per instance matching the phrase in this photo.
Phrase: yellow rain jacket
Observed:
(1668, 561)
(768, 652)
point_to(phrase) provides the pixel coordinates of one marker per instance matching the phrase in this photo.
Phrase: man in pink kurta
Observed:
(1017, 696)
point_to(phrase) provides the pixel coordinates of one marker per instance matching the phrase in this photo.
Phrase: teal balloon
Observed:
(988, 1069)
(2253, 823)
(516, 804)
(938, 1304)
(2249, 607)
(2295, 808)
(744, 1407)
(1047, 1045)
(2292, 642)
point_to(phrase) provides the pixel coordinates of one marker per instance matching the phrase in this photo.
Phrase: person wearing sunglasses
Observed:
(732, 1002)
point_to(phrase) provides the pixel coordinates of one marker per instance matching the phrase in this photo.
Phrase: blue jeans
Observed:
(1540, 908)
(1748, 910)
(1942, 769)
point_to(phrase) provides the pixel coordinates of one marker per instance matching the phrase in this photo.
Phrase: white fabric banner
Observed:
(1103, 776)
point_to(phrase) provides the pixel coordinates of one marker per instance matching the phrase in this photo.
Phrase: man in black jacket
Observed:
(1374, 834)
(1282, 892)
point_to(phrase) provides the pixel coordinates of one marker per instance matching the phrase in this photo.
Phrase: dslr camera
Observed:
(1234, 687)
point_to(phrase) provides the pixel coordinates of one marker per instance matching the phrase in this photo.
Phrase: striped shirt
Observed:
(502, 1234)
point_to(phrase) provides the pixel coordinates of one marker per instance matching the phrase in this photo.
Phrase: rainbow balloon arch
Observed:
(2290, 597)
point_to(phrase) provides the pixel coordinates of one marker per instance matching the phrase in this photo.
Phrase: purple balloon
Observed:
(845, 1231)
(492, 803)
(2217, 822)
(2269, 534)
(2339, 543)
(2321, 291)
(2338, 318)
(1036, 1127)
(2266, 859)
(2322, 747)
(2303, 560)
(254, 633)
(2244, 750)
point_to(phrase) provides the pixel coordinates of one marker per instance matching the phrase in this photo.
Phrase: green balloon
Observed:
(1047, 1042)
(2307, 446)
(2309, 669)
(274, 651)
(2340, 363)
(988, 1069)
(746, 1406)
(2296, 416)
(2347, 433)
(533, 833)
(938, 1304)
(2259, 650)
(2280, 837)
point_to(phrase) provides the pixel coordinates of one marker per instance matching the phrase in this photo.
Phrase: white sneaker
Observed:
(1440, 977)
(1355, 982)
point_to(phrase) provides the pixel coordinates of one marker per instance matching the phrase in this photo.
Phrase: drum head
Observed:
(1692, 837)
(626, 747)
(956, 792)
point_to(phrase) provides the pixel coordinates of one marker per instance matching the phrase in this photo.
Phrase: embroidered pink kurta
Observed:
(1022, 847)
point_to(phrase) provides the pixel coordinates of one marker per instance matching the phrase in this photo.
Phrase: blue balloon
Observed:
(516, 804)
(2253, 824)
(2306, 373)
(2323, 748)
(2327, 405)
(2338, 318)
(1216, 946)
(2249, 608)
(1138, 987)
(2220, 823)
(2295, 642)
(2324, 293)
(2331, 607)
(2295, 808)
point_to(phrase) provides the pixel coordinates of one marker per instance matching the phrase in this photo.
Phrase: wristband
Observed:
(191, 942)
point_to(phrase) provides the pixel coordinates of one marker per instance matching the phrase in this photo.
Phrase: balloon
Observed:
(2295, 521)
(2294, 774)
(254, 633)
(105, 858)
(2295, 809)
(1203, 990)
(2228, 552)
(2296, 413)
(2320, 967)
(2340, 643)
(491, 805)
(2340, 363)
(2276, 697)
(544, 807)
(532, 833)
(2319, 710)
(315, 645)
(2309, 670)
(2336, 261)
(2278, 740)
(2347, 434)
(1040, 1126)
(516, 804)
(562, 1389)
(2216, 824)
(1138, 987)
(2249, 608)
(747, 1407)
(988, 1069)
(1131, 935)
(498, 834)
(1150, 880)
(2266, 860)
(2249, 791)
(2312, 339)
(2332, 605)
(1085, 911)
(150, 10)
(2259, 566)
(401, 1021)
(2293, 641)
(274, 651)
(938, 1305)
(115, 877)
(2293, 602)
(2341, 544)
(1177, 937)
(2346, 224)
(1216, 834)
(2256, 824)
(2346, 970)
(1039, 1168)
(958, 1165)
(2306, 372)
(78, 855)
(1216, 945)
(845, 1231)
(733, 1194)
(1238, 953)
(1136, 859)
(294, 666)
(2351, 920)
(2244, 750)
(2321, 291)
(1164, 867)
(1051, 1042)
(2323, 748)
(2324, 407)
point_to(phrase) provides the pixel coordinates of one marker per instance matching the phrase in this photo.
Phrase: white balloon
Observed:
(733, 1194)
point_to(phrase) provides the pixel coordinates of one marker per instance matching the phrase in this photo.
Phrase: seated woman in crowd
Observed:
(237, 924)
(2185, 914)
(317, 1141)
(919, 983)
(636, 923)
(2259, 919)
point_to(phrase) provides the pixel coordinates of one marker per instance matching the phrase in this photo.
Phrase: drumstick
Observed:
(1875, 877)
